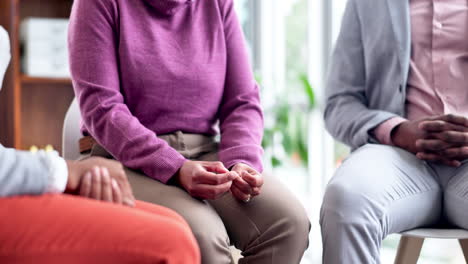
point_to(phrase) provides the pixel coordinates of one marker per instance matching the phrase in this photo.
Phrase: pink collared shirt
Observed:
(437, 82)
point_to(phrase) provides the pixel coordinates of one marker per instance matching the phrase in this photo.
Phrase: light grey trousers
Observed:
(272, 228)
(380, 190)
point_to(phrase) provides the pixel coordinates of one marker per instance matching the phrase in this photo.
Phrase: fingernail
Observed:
(129, 202)
(115, 184)
(104, 170)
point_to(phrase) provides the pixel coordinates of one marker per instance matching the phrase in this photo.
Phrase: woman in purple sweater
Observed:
(157, 80)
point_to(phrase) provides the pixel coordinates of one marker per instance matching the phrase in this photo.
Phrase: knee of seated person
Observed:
(186, 249)
(344, 205)
(212, 237)
(214, 245)
(297, 224)
(290, 220)
(179, 245)
(186, 246)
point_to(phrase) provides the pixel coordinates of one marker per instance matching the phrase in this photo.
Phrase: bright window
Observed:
(290, 40)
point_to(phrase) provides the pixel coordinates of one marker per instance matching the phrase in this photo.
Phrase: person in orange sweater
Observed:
(39, 224)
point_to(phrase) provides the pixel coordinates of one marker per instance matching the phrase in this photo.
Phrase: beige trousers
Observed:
(272, 228)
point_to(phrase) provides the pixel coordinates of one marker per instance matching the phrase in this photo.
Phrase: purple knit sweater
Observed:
(146, 67)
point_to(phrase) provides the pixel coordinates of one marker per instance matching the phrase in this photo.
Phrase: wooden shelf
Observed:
(40, 80)
(32, 109)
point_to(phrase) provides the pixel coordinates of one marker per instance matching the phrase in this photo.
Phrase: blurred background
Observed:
(289, 44)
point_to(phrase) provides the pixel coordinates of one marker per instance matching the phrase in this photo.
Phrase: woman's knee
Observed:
(185, 248)
(211, 237)
(210, 233)
(175, 245)
(160, 210)
(297, 224)
(287, 214)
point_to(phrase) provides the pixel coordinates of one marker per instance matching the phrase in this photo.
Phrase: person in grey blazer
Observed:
(396, 94)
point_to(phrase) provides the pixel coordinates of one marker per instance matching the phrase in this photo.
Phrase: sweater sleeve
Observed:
(241, 117)
(25, 173)
(93, 47)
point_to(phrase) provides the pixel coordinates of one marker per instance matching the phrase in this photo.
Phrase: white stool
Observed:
(412, 241)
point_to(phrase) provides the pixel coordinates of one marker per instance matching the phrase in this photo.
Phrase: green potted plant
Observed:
(291, 127)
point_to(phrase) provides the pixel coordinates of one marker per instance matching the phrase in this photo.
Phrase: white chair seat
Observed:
(411, 242)
(437, 233)
(71, 132)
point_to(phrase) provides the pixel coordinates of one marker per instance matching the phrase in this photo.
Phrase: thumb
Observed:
(216, 167)
(233, 175)
(252, 179)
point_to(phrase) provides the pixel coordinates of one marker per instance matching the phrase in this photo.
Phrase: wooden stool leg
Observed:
(409, 250)
(235, 253)
(464, 246)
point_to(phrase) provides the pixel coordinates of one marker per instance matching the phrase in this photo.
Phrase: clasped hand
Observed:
(442, 139)
(211, 180)
(100, 179)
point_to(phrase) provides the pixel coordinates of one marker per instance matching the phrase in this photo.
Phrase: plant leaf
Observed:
(308, 89)
(275, 162)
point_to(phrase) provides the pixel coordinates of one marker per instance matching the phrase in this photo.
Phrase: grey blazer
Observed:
(369, 70)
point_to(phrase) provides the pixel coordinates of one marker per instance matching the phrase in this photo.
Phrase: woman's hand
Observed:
(97, 184)
(205, 179)
(78, 169)
(248, 185)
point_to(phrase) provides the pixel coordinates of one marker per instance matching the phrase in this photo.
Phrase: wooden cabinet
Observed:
(32, 110)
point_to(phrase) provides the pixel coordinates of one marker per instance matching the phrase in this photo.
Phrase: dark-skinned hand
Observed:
(446, 140)
(440, 139)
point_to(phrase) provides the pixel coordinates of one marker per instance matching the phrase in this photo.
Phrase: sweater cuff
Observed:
(58, 171)
(247, 154)
(166, 167)
(383, 132)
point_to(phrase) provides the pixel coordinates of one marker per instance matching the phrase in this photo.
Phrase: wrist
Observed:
(232, 167)
(176, 178)
(395, 134)
(74, 176)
